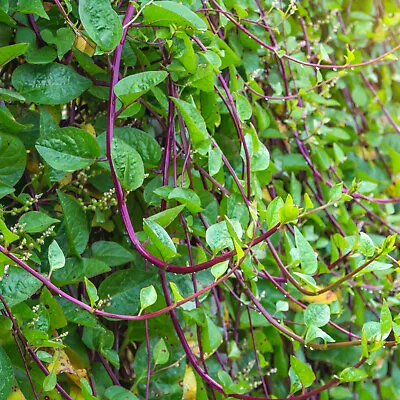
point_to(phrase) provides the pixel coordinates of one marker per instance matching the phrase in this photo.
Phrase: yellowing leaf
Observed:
(189, 385)
(66, 180)
(84, 45)
(89, 128)
(63, 365)
(18, 395)
(76, 393)
(324, 298)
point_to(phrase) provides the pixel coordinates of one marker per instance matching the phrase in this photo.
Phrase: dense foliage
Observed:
(199, 199)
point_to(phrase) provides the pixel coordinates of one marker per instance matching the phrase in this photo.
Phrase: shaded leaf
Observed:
(195, 124)
(148, 296)
(76, 223)
(68, 149)
(17, 286)
(36, 221)
(8, 53)
(160, 352)
(303, 371)
(160, 238)
(111, 253)
(352, 374)
(308, 258)
(7, 374)
(187, 197)
(56, 256)
(133, 86)
(128, 164)
(218, 236)
(12, 160)
(101, 23)
(165, 13)
(49, 84)
(317, 315)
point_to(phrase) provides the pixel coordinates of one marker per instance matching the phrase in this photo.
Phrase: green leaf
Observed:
(76, 269)
(54, 310)
(260, 159)
(36, 221)
(142, 142)
(303, 371)
(168, 384)
(111, 253)
(6, 326)
(227, 383)
(49, 383)
(195, 123)
(295, 383)
(307, 279)
(87, 390)
(314, 332)
(63, 39)
(68, 149)
(211, 336)
(56, 256)
(243, 107)
(218, 236)
(44, 356)
(214, 160)
(188, 57)
(8, 122)
(124, 290)
(166, 217)
(388, 245)
(5, 190)
(12, 160)
(160, 238)
(133, 86)
(10, 95)
(128, 164)
(352, 374)
(288, 213)
(101, 23)
(335, 193)
(372, 330)
(308, 202)
(32, 7)
(317, 315)
(272, 215)
(8, 236)
(366, 244)
(75, 222)
(49, 84)
(92, 292)
(166, 13)
(77, 315)
(385, 320)
(148, 296)
(17, 286)
(175, 292)
(160, 352)
(7, 374)
(118, 393)
(308, 258)
(282, 306)
(187, 197)
(8, 53)
(219, 269)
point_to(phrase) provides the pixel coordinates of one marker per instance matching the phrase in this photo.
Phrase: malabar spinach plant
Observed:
(199, 199)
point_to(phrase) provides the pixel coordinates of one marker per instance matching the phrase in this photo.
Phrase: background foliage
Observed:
(199, 199)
